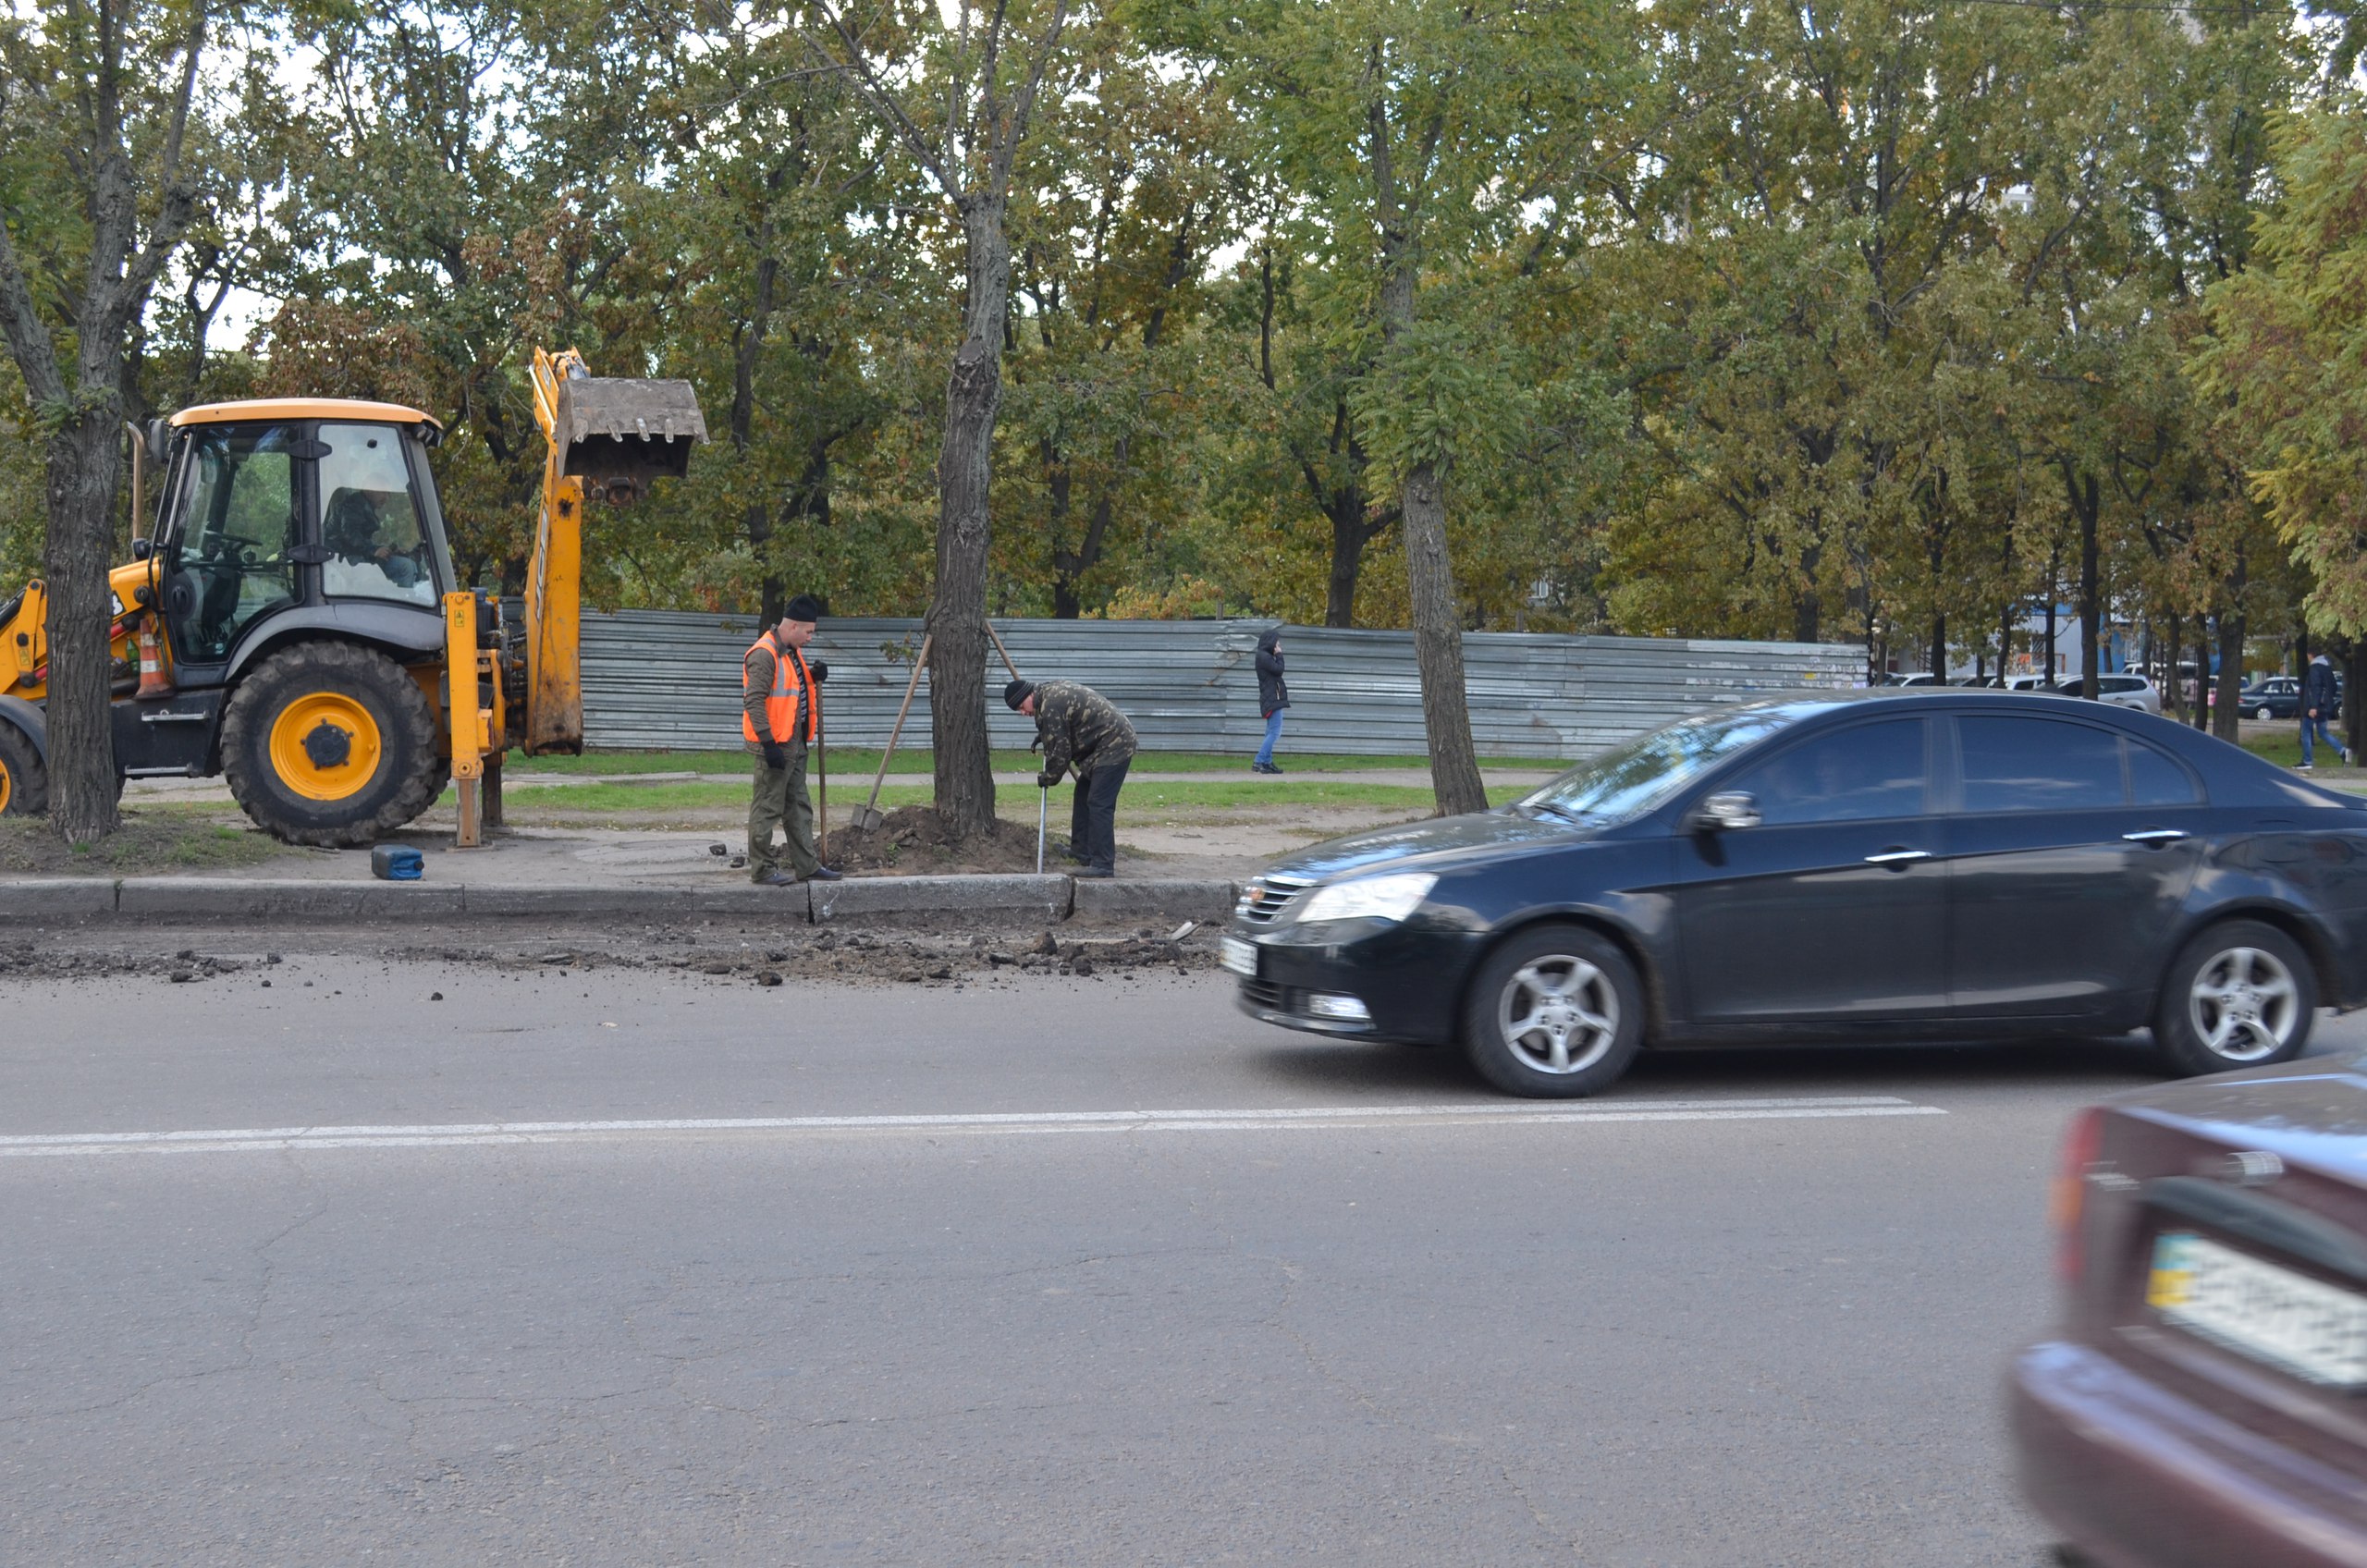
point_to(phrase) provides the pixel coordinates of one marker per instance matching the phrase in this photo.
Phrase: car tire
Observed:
(2240, 994)
(1554, 1012)
(2265, 713)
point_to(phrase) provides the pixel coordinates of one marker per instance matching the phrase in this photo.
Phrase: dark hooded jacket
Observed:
(1272, 692)
(2317, 690)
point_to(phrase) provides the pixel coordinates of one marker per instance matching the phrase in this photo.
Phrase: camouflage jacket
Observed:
(1079, 727)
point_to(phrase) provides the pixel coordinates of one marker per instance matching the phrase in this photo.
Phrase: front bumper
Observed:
(1408, 976)
(1286, 1005)
(2137, 1477)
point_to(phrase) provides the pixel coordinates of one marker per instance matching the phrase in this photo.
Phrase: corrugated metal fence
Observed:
(671, 681)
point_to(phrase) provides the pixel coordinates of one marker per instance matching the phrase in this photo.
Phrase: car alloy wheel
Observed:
(2265, 713)
(2244, 1005)
(1553, 1013)
(2240, 994)
(1558, 1014)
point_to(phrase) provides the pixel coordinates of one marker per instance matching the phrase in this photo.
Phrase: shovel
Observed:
(868, 819)
(822, 773)
(1043, 800)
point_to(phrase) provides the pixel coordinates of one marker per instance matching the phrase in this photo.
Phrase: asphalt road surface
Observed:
(632, 1268)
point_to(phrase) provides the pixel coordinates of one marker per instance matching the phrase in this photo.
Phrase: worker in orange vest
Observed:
(781, 717)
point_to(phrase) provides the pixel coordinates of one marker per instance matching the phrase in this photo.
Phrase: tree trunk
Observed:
(2090, 598)
(1348, 540)
(957, 623)
(2231, 676)
(2174, 683)
(2202, 673)
(1940, 646)
(84, 464)
(2354, 711)
(1438, 648)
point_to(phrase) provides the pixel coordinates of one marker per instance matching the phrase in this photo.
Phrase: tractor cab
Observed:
(280, 515)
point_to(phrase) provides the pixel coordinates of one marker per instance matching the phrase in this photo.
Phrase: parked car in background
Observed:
(1980, 681)
(2200, 1406)
(1881, 865)
(2029, 683)
(2279, 696)
(2120, 691)
(1920, 678)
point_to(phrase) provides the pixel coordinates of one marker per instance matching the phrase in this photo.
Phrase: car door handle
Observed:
(2157, 835)
(1898, 857)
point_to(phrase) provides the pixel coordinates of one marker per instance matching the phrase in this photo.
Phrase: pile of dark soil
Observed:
(913, 842)
(148, 842)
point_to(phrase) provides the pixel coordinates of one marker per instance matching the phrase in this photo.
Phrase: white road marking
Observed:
(250, 1140)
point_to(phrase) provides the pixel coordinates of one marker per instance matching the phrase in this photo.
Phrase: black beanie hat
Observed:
(1015, 693)
(805, 606)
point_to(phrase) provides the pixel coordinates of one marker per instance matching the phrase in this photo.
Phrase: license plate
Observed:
(1238, 956)
(2312, 1330)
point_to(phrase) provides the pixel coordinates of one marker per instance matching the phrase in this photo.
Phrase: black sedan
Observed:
(1884, 865)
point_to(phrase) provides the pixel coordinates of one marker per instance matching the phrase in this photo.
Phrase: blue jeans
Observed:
(1273, 733)
(2320, 726)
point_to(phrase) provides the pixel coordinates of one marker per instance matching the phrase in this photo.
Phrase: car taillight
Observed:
(2079, 1150)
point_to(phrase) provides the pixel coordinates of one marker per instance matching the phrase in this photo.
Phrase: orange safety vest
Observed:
(780, 705)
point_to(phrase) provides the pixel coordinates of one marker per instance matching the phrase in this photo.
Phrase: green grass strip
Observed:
(864, 762)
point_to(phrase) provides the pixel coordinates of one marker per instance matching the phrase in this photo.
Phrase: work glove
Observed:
(818, 671)
(1046, 780)
(775, 755)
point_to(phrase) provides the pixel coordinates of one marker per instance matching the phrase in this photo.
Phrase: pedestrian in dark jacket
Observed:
(2318, 700)
(1080, 729)
(1274, 696)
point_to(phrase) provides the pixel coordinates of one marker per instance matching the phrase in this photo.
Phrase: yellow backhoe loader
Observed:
(292, 620)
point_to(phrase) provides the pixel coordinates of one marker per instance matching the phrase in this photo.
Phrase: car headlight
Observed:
(1370, 898)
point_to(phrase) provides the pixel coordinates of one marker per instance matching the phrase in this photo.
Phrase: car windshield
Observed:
(1625, 782)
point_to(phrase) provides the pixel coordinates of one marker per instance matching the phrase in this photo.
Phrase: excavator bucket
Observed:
(617, 433)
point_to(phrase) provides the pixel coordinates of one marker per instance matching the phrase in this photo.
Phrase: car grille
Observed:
(1265, 994)
(1263, 900)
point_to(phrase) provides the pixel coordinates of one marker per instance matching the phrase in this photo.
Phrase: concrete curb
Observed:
(1035, 897)
(234, 901)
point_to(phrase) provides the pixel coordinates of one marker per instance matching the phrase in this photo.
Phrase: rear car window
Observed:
(2039, 764)
(2155, 780)
(1863, 772)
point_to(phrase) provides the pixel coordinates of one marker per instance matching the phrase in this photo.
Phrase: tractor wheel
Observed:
(24, 782)
(331, 744)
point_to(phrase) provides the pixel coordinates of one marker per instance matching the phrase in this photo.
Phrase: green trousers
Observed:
(781, 801)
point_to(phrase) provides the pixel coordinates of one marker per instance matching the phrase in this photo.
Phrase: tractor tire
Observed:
(24, 782)
(331, 744)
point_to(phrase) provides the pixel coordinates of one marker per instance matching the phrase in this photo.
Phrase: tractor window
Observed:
(232, 563)
(369, 521)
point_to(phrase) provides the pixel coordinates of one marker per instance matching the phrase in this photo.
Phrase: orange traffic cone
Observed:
(153, 680)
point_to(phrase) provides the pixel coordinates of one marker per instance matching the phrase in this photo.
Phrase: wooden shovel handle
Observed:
(1003, 650)
(920, 662)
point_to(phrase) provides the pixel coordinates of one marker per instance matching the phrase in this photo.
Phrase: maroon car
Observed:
(2204, 1404)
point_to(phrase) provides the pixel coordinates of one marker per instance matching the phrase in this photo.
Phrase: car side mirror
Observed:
(1724, 810)
(159, 436)
(142, 548)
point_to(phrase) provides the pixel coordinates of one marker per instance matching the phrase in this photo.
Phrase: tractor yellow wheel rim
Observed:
(325, 746)
(8, 786)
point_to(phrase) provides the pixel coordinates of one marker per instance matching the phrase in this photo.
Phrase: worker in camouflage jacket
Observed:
(1080, 729)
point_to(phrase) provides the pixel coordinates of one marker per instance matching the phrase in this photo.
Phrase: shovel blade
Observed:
(618, 435)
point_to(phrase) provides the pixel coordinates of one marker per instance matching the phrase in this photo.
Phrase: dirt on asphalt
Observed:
(924, 957)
